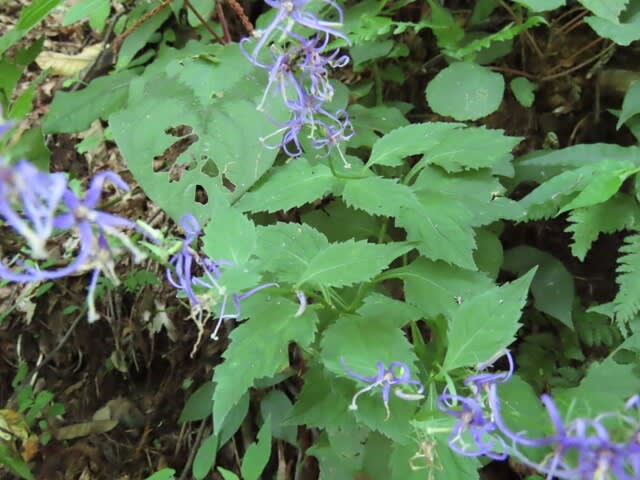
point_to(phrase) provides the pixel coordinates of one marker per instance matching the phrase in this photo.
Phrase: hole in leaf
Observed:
(167, 161)
(201, 195)
(228, 184)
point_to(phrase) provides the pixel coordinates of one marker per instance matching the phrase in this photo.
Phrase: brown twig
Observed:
(527, 34)
(192, 453)
(246, 23)
(580, 65)
(117, 43)
(223, 22)
(513, 71)
(575, 54)
(204, 22)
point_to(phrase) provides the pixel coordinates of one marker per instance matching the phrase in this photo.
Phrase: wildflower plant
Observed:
(379, 313)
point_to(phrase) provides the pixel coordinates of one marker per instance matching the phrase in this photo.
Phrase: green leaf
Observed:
(447, 30)
(465, 91)
(30, 16)
(205, 457)
(199, 404)
(523, 89)
(257, 454)
(368, 122)
(618, 213)
(552, 286)
(164, 474)
(541, 5)
(436, 287)
(343, 264)
(379, 306)
(606, 385)
(621, 33)
(379, 196)
(12, 461)
(250, 357)
(626, 304)
(339, 451)
(339, 223)
(291, 185)
(200, 124)
(486, 324)
(136, 40)
(489, 254)
(276, 407)
(72, 112)
(96, 11)
(229, 235)
(409, 140)
(630, 104)
(234, 420)
(607, 9)
(227, 474)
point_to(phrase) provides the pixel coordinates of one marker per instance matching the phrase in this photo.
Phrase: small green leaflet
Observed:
(276, 406)
(288, 186)
(524, 91)
(486, 324)
(164, 474)
(541, 5)
(198, 406)
(257, 454)
(205, 457)
(436, 287)
(250, 356)
(618, 213)
(409, 140)
(138, 38)
(627, 302)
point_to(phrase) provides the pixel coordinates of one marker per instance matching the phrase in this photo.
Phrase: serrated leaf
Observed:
(616, 214)
(343, 264)
(229, 235)
(465, 91)
(621, 33)
(76, 111)
(217, 119)
(524, 91)
(486, 324)
(257, 454)
(552, 286)
(250, 357)
(402, 142)
(205, 457)
(377, 305)
(339, 223)
(368, 122)
(288, 186)
(630, 104)
(607, 9)
(436, 287)
(379, 196)
(627, 301)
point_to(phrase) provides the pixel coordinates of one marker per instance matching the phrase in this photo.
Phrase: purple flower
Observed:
(473, 435)
(389, 379)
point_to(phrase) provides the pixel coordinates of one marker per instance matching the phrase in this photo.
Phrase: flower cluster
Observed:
(580, 449)
(390, 379)
(203, 291)
(40, 205)
(299, 69)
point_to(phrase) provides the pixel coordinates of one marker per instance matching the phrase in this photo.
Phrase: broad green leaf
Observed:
(630, 104)
(323, 401)
(229, 235)
(471, 148)
(436, 287)
(618, 213)
(489, 254)
(524, 91)
(30, 16)
(465, 91)
(276, 407)
(621, 33)
(339, 451)
(205, 457)
(250, 357)
(76, 111)
(377, 305)
(286, 249)
(368, 122)
(445, 27)
(375, 462)
(199, 404)
(234, 420)
(257, 454)
(339, 223)
(552, 286)
(541, 5)
(205, 132)
(343, 264)
(96, 11)
(379, 196)
(607, 9)
(291, 185)
(605, 387)
(486, 324)
(601, 187)
(11, 69)
(409, 140)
